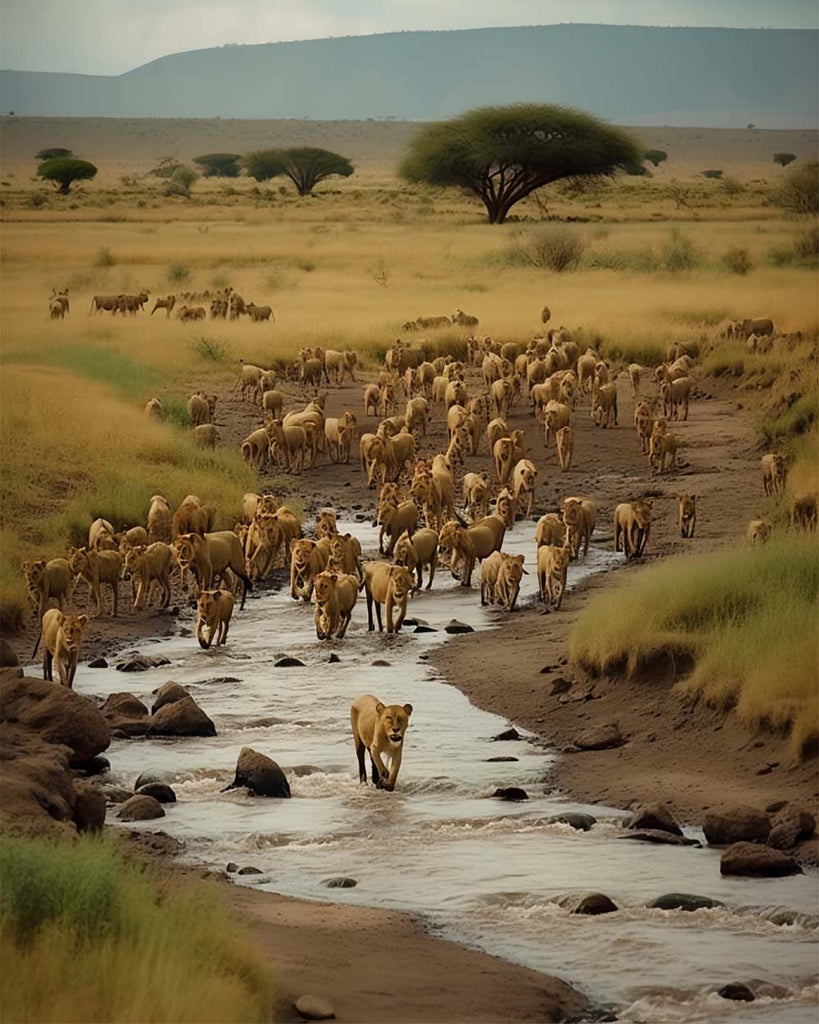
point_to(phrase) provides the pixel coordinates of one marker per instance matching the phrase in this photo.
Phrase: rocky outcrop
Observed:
(140, 808)
(181, 718)
(736, 825)
(757, 861)
(168, 693)
(789, 827)
(260, 774)
(126, 715)
(45, 729)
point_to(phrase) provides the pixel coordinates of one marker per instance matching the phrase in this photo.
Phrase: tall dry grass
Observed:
(746, 617)
(89, 934)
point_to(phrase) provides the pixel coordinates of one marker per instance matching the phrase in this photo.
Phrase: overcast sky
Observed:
(106, 37)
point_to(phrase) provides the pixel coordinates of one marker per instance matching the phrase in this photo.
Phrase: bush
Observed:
(178, 273)
(213, 349)
(37, 199)
(744, 619)
(679, 253)
(105, 258)
(166, 167)
(806, 243)
(90, 934)
(656, 156)
(732, 187)
(712, 174)
(175, 411)
(184, 176)
(800, 191)
(783, 159)
(737, 260)
(219, 165)
(548, 248)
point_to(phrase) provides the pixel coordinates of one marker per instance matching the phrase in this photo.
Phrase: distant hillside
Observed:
(676, 76)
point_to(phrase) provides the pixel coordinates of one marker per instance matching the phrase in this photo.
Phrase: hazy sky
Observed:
(113, 36)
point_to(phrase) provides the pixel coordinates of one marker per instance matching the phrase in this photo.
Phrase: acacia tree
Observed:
(64, 171)
(306, 167)
(783, 159)
(52, 153)
(502, 154)
(219, 165)
(656, 156)
(264, 164)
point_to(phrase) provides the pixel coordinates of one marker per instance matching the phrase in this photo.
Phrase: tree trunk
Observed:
(64, 187)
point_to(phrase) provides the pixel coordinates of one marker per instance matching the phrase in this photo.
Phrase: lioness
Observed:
(380, 729)
(61, 636)
(632, 525)
(215, 608)
(688, 514)
(390, 585)
(552, 567)
(335, 596)
(47, 580)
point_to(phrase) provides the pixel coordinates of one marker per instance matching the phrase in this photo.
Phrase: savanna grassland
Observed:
(642, 262)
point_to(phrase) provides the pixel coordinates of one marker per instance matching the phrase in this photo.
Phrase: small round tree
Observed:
(783, 159)
(53, 153)
(800, 191)
(656, 156)
(264, 164)
(64, 171)
(219, 165)
(502, 154)
(306, 166)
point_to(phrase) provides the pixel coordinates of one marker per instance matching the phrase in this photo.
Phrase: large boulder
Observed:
(655, 817)
(126, 714)
(586, 903)
(140, 808)
(36, 788)
(736, 825)
(599, 737)
(159, 791)
(757, 861)
(168, 693)
(89, 807)
(56, 713)
(683, 901)
(260, 774)
(789, 827)
(181, 718)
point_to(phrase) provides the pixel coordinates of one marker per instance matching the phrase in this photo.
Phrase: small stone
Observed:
(578, 821)
(159, 791)
(559, 685)
(547, 669)
(288, 662)
(586, 903)
(89, 807)
(140, 808)
(737, 991)
(168, 693)
(683, 901)
(507, 734)
(513, 793)
(498, 760)
(231, 867)
(98, 663)
(454, 626)
(260, 774)
(333, 659)
(340, 883)
(300, 770)
(249, 870)
(314, 1008)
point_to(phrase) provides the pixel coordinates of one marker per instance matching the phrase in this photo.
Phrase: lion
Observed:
(688, 514)
(380, 729)
(662, 447)
(147, 565)
(774, 473)
(159, 519)
(395, 520)
(390, 585)
(61, 635)
(579, 516)
(501, 575)
(550, 529)
(524, 479)
(47, 580)
(345, 554)
(565, 446)
(167, 304)
(339, 433)
(335, 595)
(210, 556)
(190, 517)
(552, 568)
(98, 567)
(803, 510)
(101, 536)
(476, 493)
(273, 403)
(759, 532)
(506, 507)
(154, 409)
(215, 608)
(307, 559)
(632, 525)
(417, 551)
(604, 405)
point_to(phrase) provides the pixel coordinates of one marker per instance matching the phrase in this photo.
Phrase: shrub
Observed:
(656, 156)
(37, 199)
(679, 252)
(178, 273)
(806, 243)
(737, 260)
(64, 171)
(91, 934)
(712, 174)
(732, 187)
(105, 258)
(783, 159)
(166, 167)
(219, 165)
(175, 411)
(726, 359)
(213, 349)
(263, 164)
(800, 190)
(54, 153)
(636, 170)
(184, 176)
(548, 248)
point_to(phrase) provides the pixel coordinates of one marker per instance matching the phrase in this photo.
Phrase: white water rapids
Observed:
(479, 870)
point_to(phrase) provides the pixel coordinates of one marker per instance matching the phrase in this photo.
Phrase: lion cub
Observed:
(380, 729)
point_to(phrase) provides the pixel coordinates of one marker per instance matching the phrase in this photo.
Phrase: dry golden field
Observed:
(343, 268)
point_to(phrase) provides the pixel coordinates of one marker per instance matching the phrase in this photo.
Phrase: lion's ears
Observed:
(379, 707)
(408, 709)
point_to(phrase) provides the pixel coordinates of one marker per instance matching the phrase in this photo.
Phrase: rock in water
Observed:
(98, 663)
(181, 718)
(159, 791)
(288, 662)
(790, 827)
(599, 737)
(126, 714)
(340, 883)
(659, 837)
(683, 901)
(314, 1008)
(140, 808)
(757, 861)
(153, 775)
(736, 990)
(586, 903)
(455, 627)
(514, 793)
(250, 870)
(579, 821)
(260, 774)
(655, 817)
(736, 825)
(167, 694)
(507, 734)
